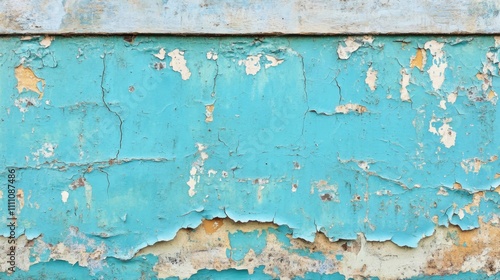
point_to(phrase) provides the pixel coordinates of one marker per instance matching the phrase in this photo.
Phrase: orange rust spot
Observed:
(419, 59)
(497, 175)
(27, 80)
(212, 226)
(457, 186)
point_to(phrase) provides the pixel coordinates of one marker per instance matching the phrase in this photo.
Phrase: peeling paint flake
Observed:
(350, 107)
(439, 64)
(371, 78)
(252, 64)
(161, 54)
(352, 44)
(178, 63)
(27, 80)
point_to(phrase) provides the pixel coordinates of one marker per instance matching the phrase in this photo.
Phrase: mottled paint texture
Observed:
(120, 144)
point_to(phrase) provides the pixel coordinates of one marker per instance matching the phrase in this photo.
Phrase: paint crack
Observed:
(107, 105)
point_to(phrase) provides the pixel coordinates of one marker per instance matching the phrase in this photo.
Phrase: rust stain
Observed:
(419, 59)
(212, 226)
(80, 182)
(27, 80)
(457, 186)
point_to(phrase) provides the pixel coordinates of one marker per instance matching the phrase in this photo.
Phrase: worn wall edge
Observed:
(250, 17)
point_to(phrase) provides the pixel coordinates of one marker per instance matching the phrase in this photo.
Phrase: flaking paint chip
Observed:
(27, 80)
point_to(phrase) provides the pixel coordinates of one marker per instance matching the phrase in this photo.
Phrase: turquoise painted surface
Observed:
(124, 135)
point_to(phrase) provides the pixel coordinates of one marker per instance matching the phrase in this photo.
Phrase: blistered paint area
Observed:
(120, 143)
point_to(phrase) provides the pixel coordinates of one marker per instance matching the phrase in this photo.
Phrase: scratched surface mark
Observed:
(121, 143)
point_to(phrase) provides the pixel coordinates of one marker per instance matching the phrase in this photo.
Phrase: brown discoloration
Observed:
(419, 59)
(80, 182)
(470, 249)
(27, 80)
(326, 197)
(213, 225)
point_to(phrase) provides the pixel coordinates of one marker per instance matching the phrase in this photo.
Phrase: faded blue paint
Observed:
(242, 242)
(126, 131)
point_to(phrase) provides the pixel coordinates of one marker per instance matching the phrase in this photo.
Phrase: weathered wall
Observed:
(249, 16)
(369, 156)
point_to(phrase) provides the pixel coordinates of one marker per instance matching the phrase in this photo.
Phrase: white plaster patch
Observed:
(371, 78)
(439, 65)
(197, 169)
(252, 64)
(64, 196)
(448, 136)
(161, 54)
(405, 81)
(212, 55)
(273, 61)
(442, 104)
(1, 194)
(178, 63)
(46, 151)
(211, 173)
(47, 41)
(24, 103)
(452, 97)
(352, 44)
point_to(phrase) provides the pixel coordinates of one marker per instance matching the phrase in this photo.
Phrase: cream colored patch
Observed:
(452, 97)
(371, 78)
(442, 104)
(439, 65)
(178, 63)
(161, 54)
(209, 109)
(212, 55)
(351, 107)
(352, 44)
(273, 61)
(64, 196)
(405, 81)
(497, 41)
(1, 194)
(252, 64)
(27, 80)
(47, 41)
